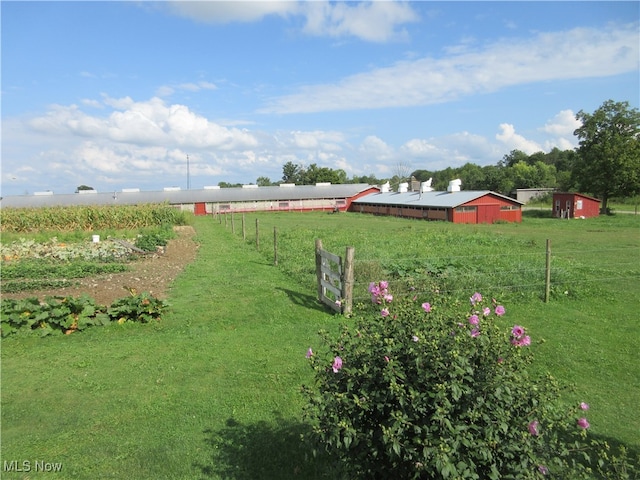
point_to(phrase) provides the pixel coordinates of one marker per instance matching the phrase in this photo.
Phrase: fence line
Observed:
(564, 270)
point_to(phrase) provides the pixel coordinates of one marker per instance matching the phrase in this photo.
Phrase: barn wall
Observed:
(567, 205)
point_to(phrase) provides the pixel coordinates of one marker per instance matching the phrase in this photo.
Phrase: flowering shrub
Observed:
(440, 389)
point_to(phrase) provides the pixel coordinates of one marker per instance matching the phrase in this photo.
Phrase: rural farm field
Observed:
(213, 389)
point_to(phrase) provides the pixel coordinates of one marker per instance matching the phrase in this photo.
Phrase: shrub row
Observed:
(57, 314)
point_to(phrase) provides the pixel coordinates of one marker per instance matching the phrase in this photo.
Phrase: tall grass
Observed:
(89, 218)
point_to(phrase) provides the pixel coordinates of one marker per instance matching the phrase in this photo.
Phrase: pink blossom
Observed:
(521, 342)
(500, 310)
(337, 364)
(373, 288)
(583, 423)
(517, 331)
(475, 298)
(543, 470)
(475, 332)
(473, 320)
(415, 338)
(486, 311)
(584, 406)
(388, 298)
(533, 428)
(426, 306)
(384, 284)
(384, 312)
(309, 353)
(386, 359)
(338, 303)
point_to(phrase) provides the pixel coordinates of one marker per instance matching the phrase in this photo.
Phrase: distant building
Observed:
(209, 200)
(575, 205)
(451, 206)
(525, 195)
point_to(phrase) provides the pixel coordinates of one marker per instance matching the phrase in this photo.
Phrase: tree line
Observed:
(605, 164)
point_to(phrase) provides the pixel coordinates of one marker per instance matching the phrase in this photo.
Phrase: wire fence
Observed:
(525, 271)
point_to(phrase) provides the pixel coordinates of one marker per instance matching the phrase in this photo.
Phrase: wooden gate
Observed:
(335, 278)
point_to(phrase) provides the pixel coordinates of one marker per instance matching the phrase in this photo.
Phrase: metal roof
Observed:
(428, 199)
(177, 197)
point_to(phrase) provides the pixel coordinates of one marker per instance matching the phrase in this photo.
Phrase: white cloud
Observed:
(371, 21)
(514, 141)
(167, 90)
(143, 123)
(374, 21)
(562, 125)
(228, 11)
(374, 148)
(577, 53)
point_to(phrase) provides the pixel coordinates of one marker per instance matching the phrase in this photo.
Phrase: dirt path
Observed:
(151, 274)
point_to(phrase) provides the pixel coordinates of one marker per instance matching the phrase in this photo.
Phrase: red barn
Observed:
(451, 206)
(575, 205)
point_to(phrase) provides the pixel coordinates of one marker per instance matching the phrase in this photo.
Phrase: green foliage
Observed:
(142, 308)
(149, 241)
(410, 390)
(90, 218)
(33, 274)
(609, 152)
(70, 314)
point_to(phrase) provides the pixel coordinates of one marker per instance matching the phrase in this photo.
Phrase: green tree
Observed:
(608, 162)
(292, 173)
(264, 182)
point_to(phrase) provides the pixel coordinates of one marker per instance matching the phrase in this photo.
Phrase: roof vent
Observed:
(212, 187)
(385, 188)
(171, 189)
(252, 185)
(454, 185)
(403, 187)
(426, 186)
(323, 184)
(288, 185)
(48, 192)
(130, 190)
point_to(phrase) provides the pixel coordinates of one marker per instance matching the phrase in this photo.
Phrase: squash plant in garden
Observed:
(438, 388)
(71, 314)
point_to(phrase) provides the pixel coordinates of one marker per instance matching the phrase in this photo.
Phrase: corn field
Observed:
(88, 218)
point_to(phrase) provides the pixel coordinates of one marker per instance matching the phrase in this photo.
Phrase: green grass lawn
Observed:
(213, 391)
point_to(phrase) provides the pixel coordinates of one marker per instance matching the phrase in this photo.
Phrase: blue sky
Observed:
(116, 94)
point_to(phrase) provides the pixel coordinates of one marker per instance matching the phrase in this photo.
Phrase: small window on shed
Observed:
(465, 209)
(225, 207)
(557, 205)
(341, 202)
(283, 204)
(579, 205)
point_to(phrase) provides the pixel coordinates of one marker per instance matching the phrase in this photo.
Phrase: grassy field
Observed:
(213, 391)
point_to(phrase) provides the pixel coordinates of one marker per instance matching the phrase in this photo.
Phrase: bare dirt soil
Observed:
(150, 273)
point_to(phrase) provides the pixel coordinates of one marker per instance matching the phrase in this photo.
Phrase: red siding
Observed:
(486, 209)
(575, 205)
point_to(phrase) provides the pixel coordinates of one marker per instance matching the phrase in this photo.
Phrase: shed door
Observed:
(488, 213)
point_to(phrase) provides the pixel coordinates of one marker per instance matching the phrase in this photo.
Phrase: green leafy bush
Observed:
(151, 240)
(411, 390)
(70, 314)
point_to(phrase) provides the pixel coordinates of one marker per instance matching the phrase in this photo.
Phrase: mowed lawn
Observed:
(213, 391)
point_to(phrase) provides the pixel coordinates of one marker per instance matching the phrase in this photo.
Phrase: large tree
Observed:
(608, 162)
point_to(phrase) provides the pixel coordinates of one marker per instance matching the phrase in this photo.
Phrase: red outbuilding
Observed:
(575, 205)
